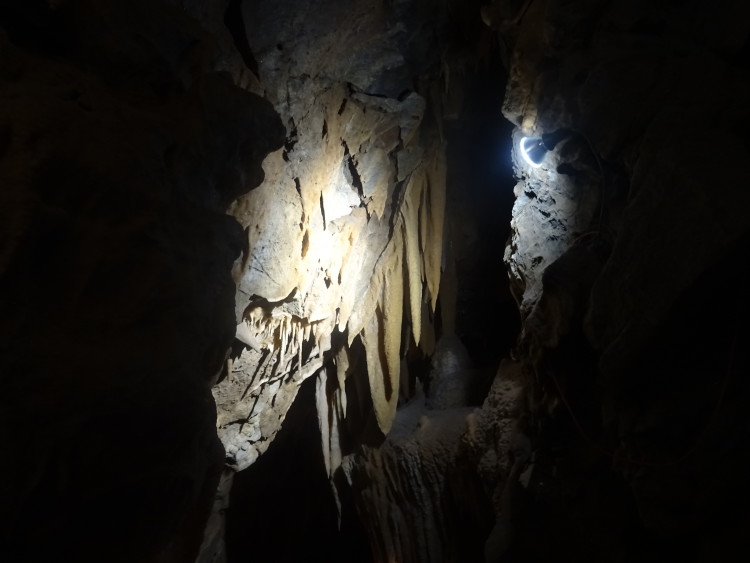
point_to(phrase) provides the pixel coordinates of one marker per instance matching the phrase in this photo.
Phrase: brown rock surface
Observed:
(345, 234)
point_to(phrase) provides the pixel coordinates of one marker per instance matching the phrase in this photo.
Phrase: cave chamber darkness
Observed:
(480, 194)
(275, 284)
(294, 509)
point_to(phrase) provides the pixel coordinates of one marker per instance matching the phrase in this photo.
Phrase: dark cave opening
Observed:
(480, 199)
(286, 499)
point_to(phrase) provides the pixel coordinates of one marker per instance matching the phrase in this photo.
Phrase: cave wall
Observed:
(628, 243)
(345, 235)
(123, 137)
(130, 134)
(620, 240)
(159, 317)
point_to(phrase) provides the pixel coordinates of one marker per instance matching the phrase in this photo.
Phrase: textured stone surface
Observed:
(428, 493)
(614, 261)
(120, 150)
(344, 236)
(551, 212)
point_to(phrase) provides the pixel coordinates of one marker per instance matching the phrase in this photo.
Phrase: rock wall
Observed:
(620, 241)
(130, 138)
(627, 245)
(345, 235)
(128, 131)
(430, 492)
(121, 146)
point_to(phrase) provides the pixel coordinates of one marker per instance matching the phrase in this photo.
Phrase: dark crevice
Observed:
(397, 199)
(236, 27)
(350, 171)
(290, 141)
(305, 243)
(293, 496)
(323, 211)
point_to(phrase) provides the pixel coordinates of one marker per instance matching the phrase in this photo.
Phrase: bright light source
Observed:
(533, 150)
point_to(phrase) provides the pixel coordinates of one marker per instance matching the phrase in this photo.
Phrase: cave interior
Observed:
(401, 281)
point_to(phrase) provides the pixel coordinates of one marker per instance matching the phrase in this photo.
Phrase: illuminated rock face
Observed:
(345, 234)
(124, 147)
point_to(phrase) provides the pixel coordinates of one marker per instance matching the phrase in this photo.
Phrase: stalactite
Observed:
(413, 259)
(342, 365)
(376, 372)
(367, 251)
(300, 341)
(434, 213)
(325, 417)
(282, 345)
(308, 332)
(365, 308)
(393, 307)
(409, 265)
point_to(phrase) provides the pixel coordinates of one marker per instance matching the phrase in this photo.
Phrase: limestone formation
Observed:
(213, 212)
(345, 234)
(428, 489)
